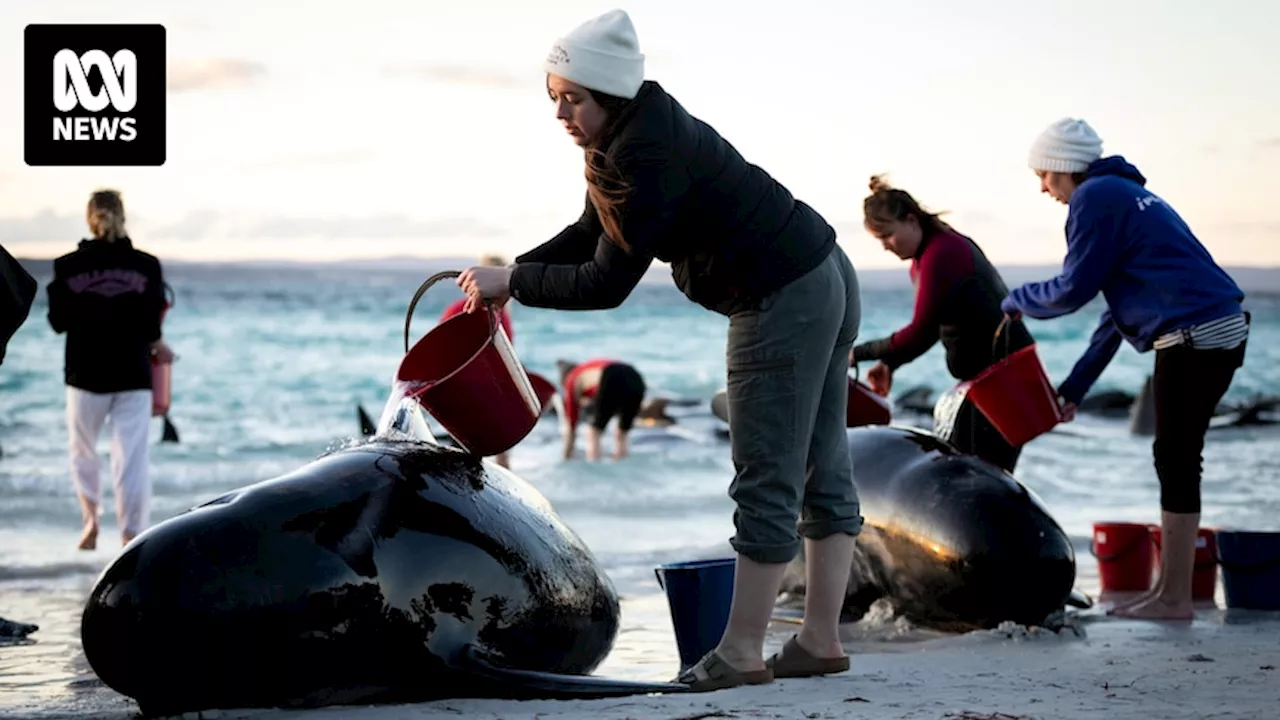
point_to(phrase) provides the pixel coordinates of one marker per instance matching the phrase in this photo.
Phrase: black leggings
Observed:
(620, 392)
(1188, 385)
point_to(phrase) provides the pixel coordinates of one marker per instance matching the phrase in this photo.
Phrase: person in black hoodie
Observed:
(15, 302)
(663, 184)
(107, 297)
(958, 294)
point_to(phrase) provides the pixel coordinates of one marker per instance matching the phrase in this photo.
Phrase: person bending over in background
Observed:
(664, 184)
(107, 297)
(958, 294)
(1164, 292)
(504, 317)
(612, 388)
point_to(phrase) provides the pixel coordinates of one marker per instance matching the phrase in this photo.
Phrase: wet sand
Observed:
(1223, 665)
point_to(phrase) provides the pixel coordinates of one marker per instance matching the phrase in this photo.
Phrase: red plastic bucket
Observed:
(465, 373)
(865, 407)
(543, 389)
(1124, 555)
(1204, 579)
(1016, 396)
(162, 373)
(161, 388)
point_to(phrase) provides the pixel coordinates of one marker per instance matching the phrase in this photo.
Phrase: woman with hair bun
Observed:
(958, 294)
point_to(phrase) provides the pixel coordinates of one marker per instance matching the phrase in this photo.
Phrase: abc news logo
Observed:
(107, 105)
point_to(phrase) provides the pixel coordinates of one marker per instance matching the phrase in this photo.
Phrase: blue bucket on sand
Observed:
(699, 593)
(1250, 563)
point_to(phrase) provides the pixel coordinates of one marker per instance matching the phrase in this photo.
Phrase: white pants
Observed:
(130, 414)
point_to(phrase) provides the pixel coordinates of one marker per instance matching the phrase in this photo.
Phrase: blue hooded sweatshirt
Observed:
(1127, 243)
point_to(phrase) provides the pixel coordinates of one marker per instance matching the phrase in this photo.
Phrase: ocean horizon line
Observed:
(1252, 279)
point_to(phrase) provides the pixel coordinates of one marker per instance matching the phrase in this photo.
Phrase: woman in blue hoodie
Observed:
(1164, 292)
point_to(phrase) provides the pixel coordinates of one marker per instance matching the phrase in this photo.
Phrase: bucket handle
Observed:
(493, 326)
(995, 339)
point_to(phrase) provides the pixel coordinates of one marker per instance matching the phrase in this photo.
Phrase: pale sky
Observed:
(382, 127)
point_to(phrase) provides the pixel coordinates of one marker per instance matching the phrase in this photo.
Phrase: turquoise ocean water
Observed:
(274, 361)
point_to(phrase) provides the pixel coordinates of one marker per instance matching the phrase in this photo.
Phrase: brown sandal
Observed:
(794, 661)
(720, 675)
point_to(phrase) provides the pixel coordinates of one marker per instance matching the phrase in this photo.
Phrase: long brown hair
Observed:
(106, 215)
(606, 187)
(887, 204)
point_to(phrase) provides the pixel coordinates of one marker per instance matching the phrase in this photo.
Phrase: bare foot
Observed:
(1156, 608)
(740, 659)
(818, 649)
(126, 537)
(89, 540)
(1135, 600)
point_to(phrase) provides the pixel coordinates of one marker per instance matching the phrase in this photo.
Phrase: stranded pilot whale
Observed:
(953, 542)
(391, 571)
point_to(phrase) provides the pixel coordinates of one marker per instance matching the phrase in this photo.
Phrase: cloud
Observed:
(201, 224)
(67, 229)
(42, 227)
(461, 75)
(212, 74)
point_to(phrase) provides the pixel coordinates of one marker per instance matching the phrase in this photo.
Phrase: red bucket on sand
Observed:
(865, 407)
(465, 373)
(1124, 555)
(1204, 579)
(1016, 396)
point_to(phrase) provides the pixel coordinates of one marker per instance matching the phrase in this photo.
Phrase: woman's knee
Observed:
(1178, 466)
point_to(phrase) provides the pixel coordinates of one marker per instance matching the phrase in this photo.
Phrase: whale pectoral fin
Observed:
(530, 684)
(1078, 599)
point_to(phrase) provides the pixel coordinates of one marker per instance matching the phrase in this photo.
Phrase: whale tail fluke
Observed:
(529, 684)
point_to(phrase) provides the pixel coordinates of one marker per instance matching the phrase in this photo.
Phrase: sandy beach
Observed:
(1222, 665)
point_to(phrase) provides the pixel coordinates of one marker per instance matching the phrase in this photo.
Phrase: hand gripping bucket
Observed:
(1204, 579)
(1250, 569)
(865, 407)
(699, 594)
(465, 374)
(1016, 396)
(1124, 554)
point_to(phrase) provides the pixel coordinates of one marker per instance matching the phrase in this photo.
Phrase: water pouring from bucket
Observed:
(465, 374)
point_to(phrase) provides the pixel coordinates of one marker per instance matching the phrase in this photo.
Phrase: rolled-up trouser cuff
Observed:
(767, 553)
(819, 529)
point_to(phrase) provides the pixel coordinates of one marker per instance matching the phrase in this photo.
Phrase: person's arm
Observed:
(1102, 348)
(657, 186)
(940, 270)
(1093, 247)
(153, 304)
(59, 302)
(573, 245)
(570, 437)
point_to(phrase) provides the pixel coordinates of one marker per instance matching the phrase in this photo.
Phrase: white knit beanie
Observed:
(1067, 146)
(601, 54)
